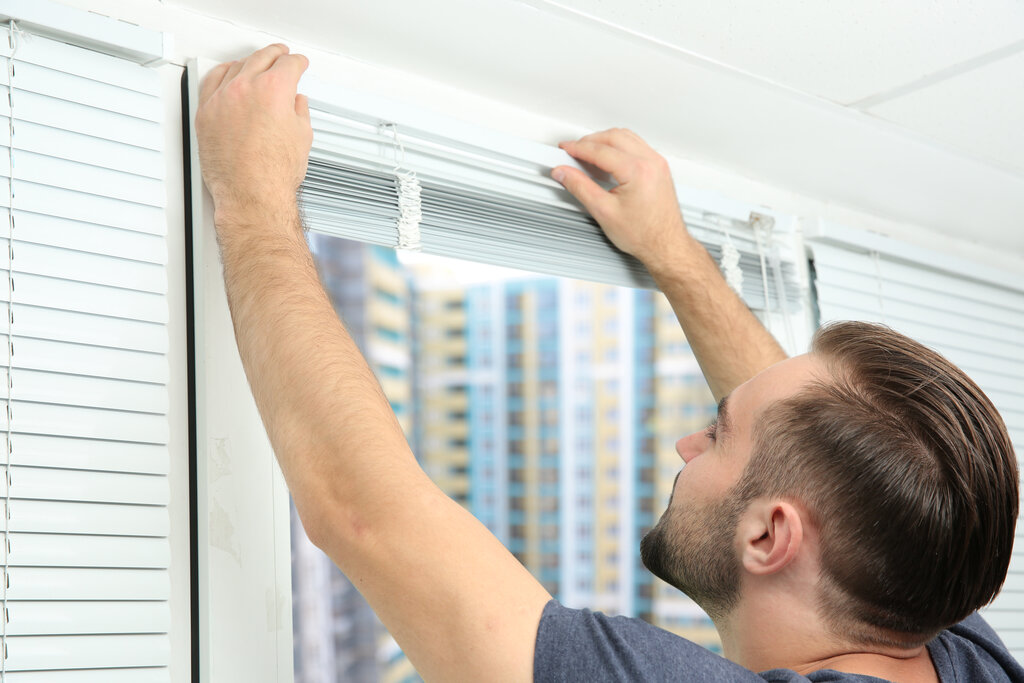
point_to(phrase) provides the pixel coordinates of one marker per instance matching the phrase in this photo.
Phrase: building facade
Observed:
(549, 408)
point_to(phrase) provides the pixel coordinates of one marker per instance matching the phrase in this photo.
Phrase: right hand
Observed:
(641, 214)
(253, 131)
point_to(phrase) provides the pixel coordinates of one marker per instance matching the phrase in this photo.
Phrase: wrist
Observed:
(676, 255)
(266, 214)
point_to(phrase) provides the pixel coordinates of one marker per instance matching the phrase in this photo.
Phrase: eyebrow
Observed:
(724, 424)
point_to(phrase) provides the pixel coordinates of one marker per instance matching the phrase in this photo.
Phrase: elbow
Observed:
(329, 525)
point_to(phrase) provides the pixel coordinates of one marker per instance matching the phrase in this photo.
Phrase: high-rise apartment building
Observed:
(549, 386)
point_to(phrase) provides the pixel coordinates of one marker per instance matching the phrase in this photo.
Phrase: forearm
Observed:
(329, 423)
(730, 343)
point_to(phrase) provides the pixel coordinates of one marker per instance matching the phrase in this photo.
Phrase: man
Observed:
(845, 509)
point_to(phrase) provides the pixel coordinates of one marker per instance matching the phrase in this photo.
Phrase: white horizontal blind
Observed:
(83, 360)
(496, 208)
(978, 325)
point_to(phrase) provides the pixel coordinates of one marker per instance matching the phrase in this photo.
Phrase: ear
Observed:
(772, 533)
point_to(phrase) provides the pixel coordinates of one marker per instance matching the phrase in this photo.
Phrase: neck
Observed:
(779, 632)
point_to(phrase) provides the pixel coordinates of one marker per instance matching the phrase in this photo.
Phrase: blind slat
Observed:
(86, 178)
(94, 361)
(48, 516)
(87, 149)
(37, 322)
(84, 267)
(48, 618)
(66, 550)
(79, 206)
(87, 64)
(44, 653)
(37, 483)
(92, 238)
(87, 423)
(133, 675)
(56, 83)
(76, 583)
(114, 302)
(47, 450)
(79, 118)
(93, 392)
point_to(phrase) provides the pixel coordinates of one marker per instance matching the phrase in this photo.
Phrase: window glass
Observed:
(543, 454)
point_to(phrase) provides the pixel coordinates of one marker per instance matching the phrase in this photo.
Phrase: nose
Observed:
(689, 447)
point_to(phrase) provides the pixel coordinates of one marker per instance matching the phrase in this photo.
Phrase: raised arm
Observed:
(641, 217)
(457, 602)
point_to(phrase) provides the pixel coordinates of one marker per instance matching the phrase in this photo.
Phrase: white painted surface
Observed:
(245, 618)
(981, 111)
(839, 51)
(177, 384)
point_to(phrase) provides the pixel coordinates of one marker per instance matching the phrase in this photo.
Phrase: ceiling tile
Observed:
(843, 52)
(981, 111)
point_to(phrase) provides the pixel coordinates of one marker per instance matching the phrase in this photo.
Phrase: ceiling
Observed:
(910, 110)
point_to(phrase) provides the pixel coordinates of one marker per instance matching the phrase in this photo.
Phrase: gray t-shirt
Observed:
(580, 645)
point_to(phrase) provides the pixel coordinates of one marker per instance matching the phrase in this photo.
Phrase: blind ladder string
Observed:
(12, 38)
(410, 205)
(730, 261)
(756, 221)
(876, 260)
(775, 263)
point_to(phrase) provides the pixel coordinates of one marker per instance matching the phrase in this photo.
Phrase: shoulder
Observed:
(971, 650)
(580, 645)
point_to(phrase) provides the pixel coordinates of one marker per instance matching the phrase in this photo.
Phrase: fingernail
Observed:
(558, 174)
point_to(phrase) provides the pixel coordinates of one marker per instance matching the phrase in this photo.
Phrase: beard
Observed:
(692, 550)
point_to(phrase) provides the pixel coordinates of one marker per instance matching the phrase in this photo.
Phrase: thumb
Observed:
(591, 195)
(302, 107)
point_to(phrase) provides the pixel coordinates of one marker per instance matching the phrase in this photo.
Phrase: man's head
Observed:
(895, 458)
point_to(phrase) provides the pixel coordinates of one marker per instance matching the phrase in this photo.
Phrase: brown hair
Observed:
(908, 473)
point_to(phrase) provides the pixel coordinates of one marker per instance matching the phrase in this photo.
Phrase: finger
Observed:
(605, 157)
(591, 195)
(620, 138)
(292, 66)
(212, 81)
(263, 59)
(302, 107)
(233, 70)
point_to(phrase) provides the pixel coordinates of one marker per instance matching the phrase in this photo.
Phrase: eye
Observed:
(712, 431)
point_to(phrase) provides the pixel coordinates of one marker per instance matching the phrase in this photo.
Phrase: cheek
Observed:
(703, 480)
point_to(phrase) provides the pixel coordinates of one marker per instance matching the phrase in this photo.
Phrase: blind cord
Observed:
(410, 205)
(12, 38)
(876, 260)
(756, 220)
(770, 250)
(730, 262)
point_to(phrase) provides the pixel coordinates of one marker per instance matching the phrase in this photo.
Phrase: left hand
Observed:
(253, 131)
(641, 214)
